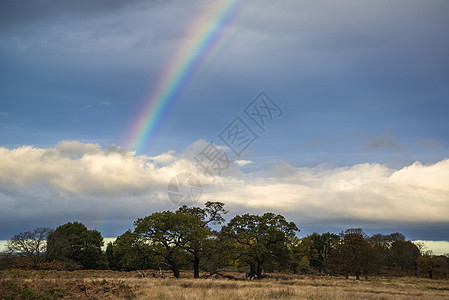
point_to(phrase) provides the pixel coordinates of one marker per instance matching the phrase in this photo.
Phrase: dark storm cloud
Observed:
(16, 12)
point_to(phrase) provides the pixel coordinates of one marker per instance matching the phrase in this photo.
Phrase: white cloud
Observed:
(164, 157)
(83, 169)
(81, 179)
(437, 247)
(243, 162)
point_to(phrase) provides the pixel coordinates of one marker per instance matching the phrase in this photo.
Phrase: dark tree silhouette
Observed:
(74, 242)
(354, 255)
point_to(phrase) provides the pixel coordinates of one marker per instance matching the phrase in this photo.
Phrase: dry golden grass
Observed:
(307, 288)
(120, 285)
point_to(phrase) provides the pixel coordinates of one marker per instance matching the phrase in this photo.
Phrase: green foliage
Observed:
(129, 252)
(323, 245)
(169, 234)
(304, 265)
(259, 240)
(74, 242)
(184, 239)
(302, 248)
(203, 241)
(211, 214)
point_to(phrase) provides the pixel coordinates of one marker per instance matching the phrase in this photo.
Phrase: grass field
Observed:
(17, 284)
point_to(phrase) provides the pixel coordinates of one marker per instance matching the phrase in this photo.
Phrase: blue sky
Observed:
(363, 86)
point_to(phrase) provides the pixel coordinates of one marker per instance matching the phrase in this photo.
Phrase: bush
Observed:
(11, 261)
(59, 266)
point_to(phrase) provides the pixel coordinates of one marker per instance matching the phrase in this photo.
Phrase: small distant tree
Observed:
(30, 244)
(433, 265)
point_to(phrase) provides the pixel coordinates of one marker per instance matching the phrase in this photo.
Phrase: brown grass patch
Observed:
(65, 289)
(16, 284)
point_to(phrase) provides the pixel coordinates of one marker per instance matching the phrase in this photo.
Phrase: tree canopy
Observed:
(198, 239)
(74, 242)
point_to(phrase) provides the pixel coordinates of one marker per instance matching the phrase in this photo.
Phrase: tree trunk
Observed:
(176, 272)
(347, 276)
(357, 276)
(174, 267)
(430, 275)
(252, 270)
(259, 271)
(196, 267)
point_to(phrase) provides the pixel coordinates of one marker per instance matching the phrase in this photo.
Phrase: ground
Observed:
(19, 284)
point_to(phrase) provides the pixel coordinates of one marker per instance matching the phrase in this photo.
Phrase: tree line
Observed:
(197, 239)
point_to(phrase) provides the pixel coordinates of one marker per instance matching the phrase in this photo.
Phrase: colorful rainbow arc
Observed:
(177, 74)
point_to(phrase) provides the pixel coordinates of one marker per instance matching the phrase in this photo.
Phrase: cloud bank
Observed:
(79, 180)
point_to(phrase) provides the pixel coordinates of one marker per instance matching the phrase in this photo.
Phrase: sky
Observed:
(357, 134)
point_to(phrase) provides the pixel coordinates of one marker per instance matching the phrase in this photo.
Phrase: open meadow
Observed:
(18, 284)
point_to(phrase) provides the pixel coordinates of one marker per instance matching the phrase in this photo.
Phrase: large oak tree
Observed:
(260, 239)
(169, 234)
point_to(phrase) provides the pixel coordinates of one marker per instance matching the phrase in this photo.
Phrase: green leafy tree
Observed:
(354, 255)
(304, 265)
(323, 245)
(302, 248)
(201, 243)
(74, 242)
(129, 252)
(31, 244)
(258, 240)
(211, 214)
(169, 234)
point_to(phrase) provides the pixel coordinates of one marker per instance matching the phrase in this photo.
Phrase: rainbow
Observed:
(174, 78)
